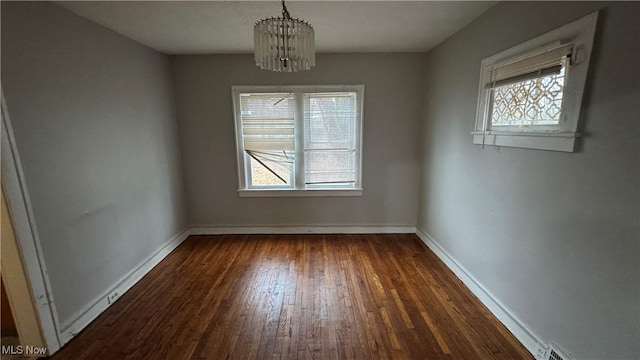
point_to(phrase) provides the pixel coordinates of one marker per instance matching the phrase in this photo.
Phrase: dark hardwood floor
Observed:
(297, 297)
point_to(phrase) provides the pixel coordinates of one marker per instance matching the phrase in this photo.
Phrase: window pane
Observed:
(532, 102)
(271, 168)
(330, 167)
(269, 137)
(268, 121)
(330, 139)
(330, 120)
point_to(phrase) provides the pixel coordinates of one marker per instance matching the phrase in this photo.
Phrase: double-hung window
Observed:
(530, 95)
(299, 140)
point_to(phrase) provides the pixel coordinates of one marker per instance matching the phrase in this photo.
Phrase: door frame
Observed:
(26, 233)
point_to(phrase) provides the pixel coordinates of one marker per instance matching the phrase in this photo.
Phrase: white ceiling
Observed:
(203, 27)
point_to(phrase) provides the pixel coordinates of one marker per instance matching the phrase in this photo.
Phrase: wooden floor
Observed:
(297, 297)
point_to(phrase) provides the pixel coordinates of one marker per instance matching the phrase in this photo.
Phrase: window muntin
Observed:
(298, 138)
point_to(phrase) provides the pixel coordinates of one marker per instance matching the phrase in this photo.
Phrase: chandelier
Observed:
(284, 44)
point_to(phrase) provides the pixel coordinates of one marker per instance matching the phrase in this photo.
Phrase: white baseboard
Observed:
(341, 229)
(79, 321)
(519, 329)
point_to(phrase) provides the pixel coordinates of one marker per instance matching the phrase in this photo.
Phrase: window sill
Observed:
(299, 193)
(556, 141)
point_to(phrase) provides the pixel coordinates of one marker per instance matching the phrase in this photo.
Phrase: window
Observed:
(299, 140)
(530, 95)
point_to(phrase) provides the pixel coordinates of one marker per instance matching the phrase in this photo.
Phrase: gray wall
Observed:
(391, 166)
(94, 121)
(555, 236)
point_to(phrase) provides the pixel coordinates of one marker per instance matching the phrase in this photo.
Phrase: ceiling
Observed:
(206, 27)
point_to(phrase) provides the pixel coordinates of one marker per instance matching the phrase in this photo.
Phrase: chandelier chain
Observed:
(285, 12)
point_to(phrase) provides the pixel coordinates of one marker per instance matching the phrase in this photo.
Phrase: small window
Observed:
(298, 140)
(528, 92)
(530, 95)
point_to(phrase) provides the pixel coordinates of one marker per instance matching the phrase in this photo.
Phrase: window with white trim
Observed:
(299, 140)
(530, 95)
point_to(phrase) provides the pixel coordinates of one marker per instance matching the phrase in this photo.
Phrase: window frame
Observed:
(561, 137)
(297, 188)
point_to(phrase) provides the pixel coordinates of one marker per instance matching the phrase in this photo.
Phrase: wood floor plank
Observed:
(297, 297)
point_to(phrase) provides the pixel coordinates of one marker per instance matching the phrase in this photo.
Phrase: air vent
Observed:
(555, 353)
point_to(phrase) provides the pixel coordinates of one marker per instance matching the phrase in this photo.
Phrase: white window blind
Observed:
(330, 138)
(267, 122)
(297, 140)
(539, 63)
(268, 132)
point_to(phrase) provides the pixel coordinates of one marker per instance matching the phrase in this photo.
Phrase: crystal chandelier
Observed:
(284, 44)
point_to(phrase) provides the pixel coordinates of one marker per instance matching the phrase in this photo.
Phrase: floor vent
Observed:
(556, 354)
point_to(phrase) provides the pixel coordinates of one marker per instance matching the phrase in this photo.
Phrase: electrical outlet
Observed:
(112, 297)
(540, 352)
